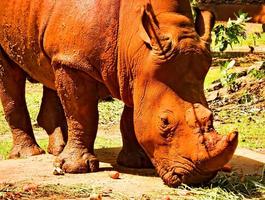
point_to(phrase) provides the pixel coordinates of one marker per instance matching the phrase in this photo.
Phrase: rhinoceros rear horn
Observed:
(149, 30)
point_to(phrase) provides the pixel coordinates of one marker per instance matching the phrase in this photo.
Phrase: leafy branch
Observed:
(230, 34)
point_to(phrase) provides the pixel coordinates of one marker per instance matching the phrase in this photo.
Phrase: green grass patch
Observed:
(4, 128)
(110, 112)
(252, 40)
(223, 187)
(33, 99)
(101, 143)
(212, 75)
(52, 191)
(6, 145)
(249, 124)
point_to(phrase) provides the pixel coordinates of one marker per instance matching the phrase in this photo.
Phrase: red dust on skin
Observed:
(147, 55)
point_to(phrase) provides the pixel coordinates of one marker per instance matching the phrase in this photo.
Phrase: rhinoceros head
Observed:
(172, 121)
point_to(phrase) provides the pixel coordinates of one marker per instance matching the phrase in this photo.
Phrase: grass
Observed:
(253, 40)
(6, 145)
(223, 187)
(249, 124)
(212, 75)
(245, 118)
(110, 112)
(52, 191)
(33, 96)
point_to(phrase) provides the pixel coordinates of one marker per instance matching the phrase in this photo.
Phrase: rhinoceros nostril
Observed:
(201, 139)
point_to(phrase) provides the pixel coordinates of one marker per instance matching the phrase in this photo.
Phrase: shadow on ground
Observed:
(109, 155)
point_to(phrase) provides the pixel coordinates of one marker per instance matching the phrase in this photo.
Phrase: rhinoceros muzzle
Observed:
(183, 171)
(214, 153)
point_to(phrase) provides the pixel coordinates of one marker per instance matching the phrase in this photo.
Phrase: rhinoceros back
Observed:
(22, 25)
(82, 34)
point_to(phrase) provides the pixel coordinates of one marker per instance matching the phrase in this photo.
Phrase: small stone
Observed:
(114, 174)
(58, 171)
(167, 198)
(217, 86)
(95, 197)
(31, 187)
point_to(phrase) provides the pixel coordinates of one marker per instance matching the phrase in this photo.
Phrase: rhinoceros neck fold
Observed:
(132, 49)
(128, 44)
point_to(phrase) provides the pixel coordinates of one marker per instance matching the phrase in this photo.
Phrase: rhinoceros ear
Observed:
(204, 24)
(149, 30)
(148, 25)
(150, 33)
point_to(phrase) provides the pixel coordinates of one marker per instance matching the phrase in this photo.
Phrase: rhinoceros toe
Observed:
(23, 151)
(77, 162)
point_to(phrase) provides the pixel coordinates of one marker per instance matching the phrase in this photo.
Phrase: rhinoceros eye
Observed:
(166, 125)
(165, 121)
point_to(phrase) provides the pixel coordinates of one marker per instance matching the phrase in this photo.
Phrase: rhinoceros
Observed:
(145, 53)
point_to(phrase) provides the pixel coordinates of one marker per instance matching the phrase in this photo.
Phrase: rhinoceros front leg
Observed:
(132, 155)
(12, 94)
(78, 94)
(51, 117)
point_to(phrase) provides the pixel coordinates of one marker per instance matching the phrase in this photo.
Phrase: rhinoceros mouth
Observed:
(174, 173)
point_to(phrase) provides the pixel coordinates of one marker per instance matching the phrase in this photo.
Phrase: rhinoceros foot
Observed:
(76, 160)
(56, 142)
(134, 159)
(22, 151)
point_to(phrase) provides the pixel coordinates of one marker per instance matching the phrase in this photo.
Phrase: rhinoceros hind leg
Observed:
(132, 155)
(51, 117)
(78, 94)
(12, 94)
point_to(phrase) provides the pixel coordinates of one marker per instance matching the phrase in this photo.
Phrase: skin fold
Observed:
(146, 54)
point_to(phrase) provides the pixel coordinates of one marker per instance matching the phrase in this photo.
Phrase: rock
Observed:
(31, 187)
(167, 198)
(213, 96)
(114, 174)
(215, 86)
(260, 65)
(58, 171)
(241, 74)
(95, 197)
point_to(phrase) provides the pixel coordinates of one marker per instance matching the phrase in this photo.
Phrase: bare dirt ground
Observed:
(132, 182)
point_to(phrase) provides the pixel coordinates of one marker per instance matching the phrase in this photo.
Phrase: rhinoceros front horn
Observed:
(220, 152)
